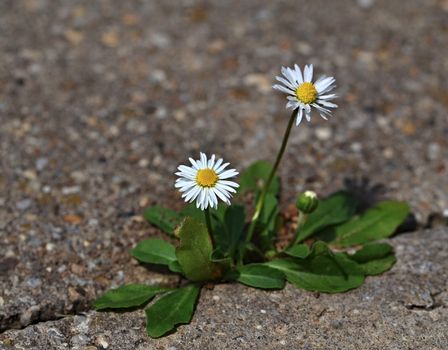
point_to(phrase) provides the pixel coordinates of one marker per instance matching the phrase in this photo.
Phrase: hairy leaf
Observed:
(154, 251)
(131, 295)
(374, 258)
(261, 276)
(298, 251)
(230, 229)
(170, 310)
(195, 250)
(375, 224)
(163, 218)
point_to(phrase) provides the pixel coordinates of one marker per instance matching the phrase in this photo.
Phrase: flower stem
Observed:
(208, 222)
(261, 199)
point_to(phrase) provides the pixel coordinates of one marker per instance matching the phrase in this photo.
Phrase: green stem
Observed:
(261, 199)
(208, 222)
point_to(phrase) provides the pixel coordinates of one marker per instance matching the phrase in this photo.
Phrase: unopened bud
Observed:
(307, 202)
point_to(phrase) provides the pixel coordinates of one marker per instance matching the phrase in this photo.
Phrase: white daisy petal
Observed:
(308, 73)
(202, 196)
(283, 89)
(213, 198)
(328, 97)
(322, 77)
(185, 183)
(206, 198)
(186, 188)
(287, 74)
(307, 116)
(287, 83)
(218, 164)
(221, 168)
(193, 163)
(299, 74)
(188, 176)
(293, 73)
(227, 174)
(299, 116)
(221, 195)
(292, 105)
(229, 183)
(195, 194)
(321, 85)
(228, 187)
(186, 170)
(203, 160)
(211, 161)
(191, 195)
(327, 89)
(225, 188)
(321, 109)
(327, 104)
(181, 184)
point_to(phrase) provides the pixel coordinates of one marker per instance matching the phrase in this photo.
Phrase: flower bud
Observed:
(307, 202)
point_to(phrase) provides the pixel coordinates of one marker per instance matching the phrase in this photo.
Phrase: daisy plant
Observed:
(329, 246)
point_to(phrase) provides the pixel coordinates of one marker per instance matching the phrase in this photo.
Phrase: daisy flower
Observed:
(206, 181)
(304, 94)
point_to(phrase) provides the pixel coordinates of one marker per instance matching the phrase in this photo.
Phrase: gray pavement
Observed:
(100, 101)
(406, 308)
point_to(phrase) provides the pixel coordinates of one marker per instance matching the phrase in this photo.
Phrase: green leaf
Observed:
(192, 211)
(374, 224)
(320, 248)
(374, 258)
(261, 276)
(332, 210)
(131, 295)
(163, 218)
(371, 252)
(194, 252)
(234, 221)
(217, 215)
(229, 229)
(154, 251)
(174, 266)
(170, 310)
(255, 176)
(321, 271)
(300, 251)
(268, 222)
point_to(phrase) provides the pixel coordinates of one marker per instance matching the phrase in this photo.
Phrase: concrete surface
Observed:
(100, 101)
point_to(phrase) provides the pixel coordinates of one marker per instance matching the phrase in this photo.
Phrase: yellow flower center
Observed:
(206, 178)
(306, 93)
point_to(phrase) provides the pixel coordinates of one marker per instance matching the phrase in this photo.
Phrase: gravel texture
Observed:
(406, 308)
(101, 100)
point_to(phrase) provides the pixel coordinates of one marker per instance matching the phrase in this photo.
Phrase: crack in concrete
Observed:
(56, 317)
(36, 315)
(434, 304)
